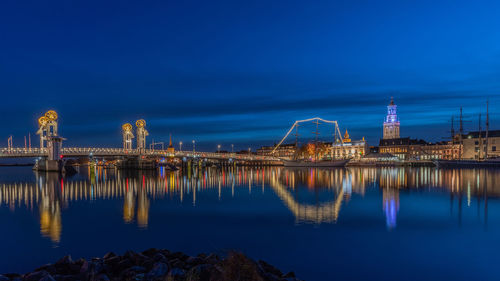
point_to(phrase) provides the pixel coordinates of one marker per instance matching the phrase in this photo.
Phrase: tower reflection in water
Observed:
(326, 190)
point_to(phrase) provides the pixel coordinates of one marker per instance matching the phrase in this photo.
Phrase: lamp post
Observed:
(194, 147)
(218, 148)
(180, 146)
(249, 150)
(232, 148)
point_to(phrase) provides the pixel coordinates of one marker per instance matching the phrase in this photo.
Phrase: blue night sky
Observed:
(242, 71)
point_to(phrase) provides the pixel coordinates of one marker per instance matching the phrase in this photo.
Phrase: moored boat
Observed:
(490, 163)
(315, 164)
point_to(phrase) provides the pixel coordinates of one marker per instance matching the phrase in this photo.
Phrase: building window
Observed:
(493, 148)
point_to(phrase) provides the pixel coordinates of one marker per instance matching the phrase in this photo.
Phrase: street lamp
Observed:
(232, 148)
(218, 148)
(180, 146)
(194, 146)
(249, 150)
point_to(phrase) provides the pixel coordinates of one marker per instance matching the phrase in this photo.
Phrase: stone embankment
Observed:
(155, 264)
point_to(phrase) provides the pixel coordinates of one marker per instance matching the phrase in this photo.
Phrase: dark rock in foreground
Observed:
(154, 264)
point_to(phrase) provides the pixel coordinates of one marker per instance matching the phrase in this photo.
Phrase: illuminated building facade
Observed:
(283, 151)
(349, 149)
(400, 147)
(391, 123)
(474, 145)
(447, 150)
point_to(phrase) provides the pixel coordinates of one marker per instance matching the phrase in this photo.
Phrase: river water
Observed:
(323, 224)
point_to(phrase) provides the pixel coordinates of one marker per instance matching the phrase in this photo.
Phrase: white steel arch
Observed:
(336, 129)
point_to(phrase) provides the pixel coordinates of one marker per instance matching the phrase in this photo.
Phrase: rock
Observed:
(47, 278)
(178, 263)
(98, 267)
(137, 269)
(102, 277)
(13, 276)
(109, 255)
(159, 270)
(67, 277)
(36, 276)
(113, 261)
(269, 268)
(66, 260)
(150, 252)
(154, 265)
(199, 273)
(160, 257)
(48, 267)
(80, 261)
(166, 253)
(176, 274)
(212, 258)
(179, 255)
(124, 264)
(138, 277)
(194, 260)
(85, 267)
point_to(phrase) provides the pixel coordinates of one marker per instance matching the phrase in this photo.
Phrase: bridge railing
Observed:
(21, 151)
(92, 150)
(99, 151)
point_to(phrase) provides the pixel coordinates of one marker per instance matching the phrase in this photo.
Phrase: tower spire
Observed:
(391, 123)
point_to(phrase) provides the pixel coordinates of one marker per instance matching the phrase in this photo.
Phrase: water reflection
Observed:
(311, 195)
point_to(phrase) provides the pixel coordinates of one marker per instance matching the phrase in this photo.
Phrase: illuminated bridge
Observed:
(110, 152)
(51, 146)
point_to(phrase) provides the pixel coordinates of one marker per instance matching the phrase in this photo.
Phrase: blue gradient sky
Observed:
(242, 71)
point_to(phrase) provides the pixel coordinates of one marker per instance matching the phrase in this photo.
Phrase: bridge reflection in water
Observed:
(51, 194)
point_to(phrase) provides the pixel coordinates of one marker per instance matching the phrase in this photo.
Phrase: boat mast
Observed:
(480, 138)
(487, 129)
(297, 136)
(316, 141)
(461, 133)
(452, 130)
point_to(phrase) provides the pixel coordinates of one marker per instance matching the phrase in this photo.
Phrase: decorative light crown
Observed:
(51, 115)
(127, 127)
(141, 123)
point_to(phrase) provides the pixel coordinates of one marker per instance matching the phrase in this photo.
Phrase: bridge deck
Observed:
(100, 152)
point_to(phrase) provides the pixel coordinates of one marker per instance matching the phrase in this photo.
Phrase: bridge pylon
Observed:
(47, 127)
(141, 133)
(128, 135)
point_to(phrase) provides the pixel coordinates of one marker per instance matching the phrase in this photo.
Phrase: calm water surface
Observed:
(337, 224)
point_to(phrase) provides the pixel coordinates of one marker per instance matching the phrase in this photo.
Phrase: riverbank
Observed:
(155, 264)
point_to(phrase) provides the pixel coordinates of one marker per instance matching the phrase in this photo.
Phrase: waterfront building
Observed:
(403, 148)
(348, 149)
(415, 150)
(391, 122)
(412, 149)
(474, 145)
(378, 159)
(445, 150)
(284, 151)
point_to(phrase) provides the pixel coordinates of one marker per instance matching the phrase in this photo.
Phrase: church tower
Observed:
(391, 123)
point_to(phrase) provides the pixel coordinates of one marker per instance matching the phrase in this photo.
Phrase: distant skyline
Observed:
(224, 72)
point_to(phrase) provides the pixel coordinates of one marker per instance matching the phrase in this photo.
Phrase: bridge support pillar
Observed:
(53, 162)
